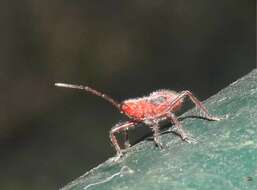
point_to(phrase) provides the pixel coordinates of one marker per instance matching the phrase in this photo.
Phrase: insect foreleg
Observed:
(120, 127)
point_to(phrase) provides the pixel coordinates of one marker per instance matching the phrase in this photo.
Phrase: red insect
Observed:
(149, 110)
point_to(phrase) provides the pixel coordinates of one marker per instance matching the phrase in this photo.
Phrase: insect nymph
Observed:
(149, 110)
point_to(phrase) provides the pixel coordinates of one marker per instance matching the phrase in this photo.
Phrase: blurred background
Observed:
(49, 135)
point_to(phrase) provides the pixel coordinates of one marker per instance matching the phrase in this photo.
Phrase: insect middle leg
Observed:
(156, 135)
(153, 124)
(120, 127)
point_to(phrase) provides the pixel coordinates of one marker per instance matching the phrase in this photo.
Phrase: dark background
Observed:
(48, 135)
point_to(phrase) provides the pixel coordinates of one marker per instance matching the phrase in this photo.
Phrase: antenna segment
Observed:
(92, 91)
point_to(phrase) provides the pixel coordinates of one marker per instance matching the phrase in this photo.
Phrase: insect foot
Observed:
(116, 158)
(190, 140)
(159, 145)
(216, 118)
(213, 118)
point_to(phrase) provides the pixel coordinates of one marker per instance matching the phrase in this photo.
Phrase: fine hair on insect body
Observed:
(148, 110)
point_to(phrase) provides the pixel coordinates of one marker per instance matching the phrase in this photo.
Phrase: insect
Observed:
(149, 110)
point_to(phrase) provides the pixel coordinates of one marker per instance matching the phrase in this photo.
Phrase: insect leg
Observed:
(126, 139)
(117, 129)
(197, 102)
(179, 130)
(156, 135)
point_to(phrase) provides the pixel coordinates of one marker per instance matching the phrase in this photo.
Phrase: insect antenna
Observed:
(92, 91)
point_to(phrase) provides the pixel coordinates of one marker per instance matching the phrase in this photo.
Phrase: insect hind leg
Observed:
(179, 130)
(197, 103)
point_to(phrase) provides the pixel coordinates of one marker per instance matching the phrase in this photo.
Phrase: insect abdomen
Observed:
(141, 110)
